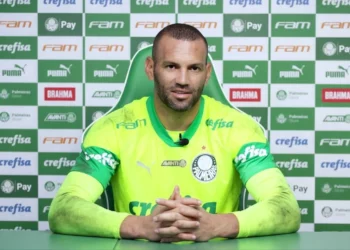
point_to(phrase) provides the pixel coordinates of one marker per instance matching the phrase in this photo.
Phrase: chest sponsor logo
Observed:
(59, 94)
(218, 123)
(336, 95)
(204, 167)
(245, 95)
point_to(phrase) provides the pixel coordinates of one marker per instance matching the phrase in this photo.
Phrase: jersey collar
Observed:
(161, 131)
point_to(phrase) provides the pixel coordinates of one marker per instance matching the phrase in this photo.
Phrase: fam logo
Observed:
(204, 167)
(245, 95)
(203, 25)
(60, 140)
(290, 142)
(336, 95)
(335, 25)
(293, 25)
(60, 47)
(245, 48)
(335, 142)
(106, 24)
(16, 162)
(59, 94)
(292, 48)
(15, 24)
(106, 47)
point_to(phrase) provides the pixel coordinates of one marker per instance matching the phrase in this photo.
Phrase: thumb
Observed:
(177, 193)
(172, 196)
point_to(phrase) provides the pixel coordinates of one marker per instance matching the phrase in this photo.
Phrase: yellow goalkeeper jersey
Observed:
(131, 150)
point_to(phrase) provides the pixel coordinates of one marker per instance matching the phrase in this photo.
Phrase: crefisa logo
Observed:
(290, 142)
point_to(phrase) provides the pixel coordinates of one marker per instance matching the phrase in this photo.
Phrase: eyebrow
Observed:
(193, 64)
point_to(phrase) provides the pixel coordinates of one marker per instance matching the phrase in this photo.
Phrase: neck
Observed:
(173, 120)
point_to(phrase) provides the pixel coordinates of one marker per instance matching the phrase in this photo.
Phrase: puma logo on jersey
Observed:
(249, 153)
(144, 166)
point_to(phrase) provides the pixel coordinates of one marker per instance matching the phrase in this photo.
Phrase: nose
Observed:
(182, 77)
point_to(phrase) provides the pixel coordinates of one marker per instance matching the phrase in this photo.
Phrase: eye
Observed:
(195, 68)
(170, 66)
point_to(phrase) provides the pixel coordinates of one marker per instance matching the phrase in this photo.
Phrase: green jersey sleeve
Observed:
(99, 155)
(253, 151)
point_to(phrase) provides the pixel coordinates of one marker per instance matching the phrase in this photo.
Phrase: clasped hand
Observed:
(181, 219)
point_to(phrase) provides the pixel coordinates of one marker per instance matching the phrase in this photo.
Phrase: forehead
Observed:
(171, 49)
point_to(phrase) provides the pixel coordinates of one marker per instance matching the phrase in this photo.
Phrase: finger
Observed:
(172, 196)
(167, 231)
(189, 212)
(183, 201)
(186, 224)
(177, 193)
(179, 237)
(168, 217)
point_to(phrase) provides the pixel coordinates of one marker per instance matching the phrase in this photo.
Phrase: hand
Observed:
(151, 224)
(199, 228)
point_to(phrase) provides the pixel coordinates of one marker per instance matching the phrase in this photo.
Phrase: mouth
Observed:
(181, 94)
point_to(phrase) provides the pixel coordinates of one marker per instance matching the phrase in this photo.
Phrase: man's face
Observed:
(180, 72)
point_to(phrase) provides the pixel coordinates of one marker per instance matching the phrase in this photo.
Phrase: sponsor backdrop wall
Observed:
(285, 62)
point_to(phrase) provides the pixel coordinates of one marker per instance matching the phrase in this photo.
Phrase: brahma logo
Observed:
(336, 95)
(292, 48)
(60, 140)
(203, 25)
(245, 95)
(106, 48)
(59, 94)
(245, 48)
(16, 24)
(151, 25)
(60, 47)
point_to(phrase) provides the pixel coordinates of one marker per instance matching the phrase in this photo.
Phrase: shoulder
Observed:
(224, 114)
(128, 113)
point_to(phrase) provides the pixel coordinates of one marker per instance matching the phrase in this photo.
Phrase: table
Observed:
(25, 240)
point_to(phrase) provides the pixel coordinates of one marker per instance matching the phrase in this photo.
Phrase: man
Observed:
(138, 151)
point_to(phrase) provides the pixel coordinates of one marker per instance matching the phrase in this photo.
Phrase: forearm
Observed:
(76, 216)
(276, 210)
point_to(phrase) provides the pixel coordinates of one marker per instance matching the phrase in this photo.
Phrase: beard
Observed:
(164, 94)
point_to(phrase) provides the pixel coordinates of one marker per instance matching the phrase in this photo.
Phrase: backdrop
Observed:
(285, 62)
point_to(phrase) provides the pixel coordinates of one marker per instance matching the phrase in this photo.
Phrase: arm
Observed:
(73, 210)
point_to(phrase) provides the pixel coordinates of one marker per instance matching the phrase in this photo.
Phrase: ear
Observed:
(149, 67)
(209, 69)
